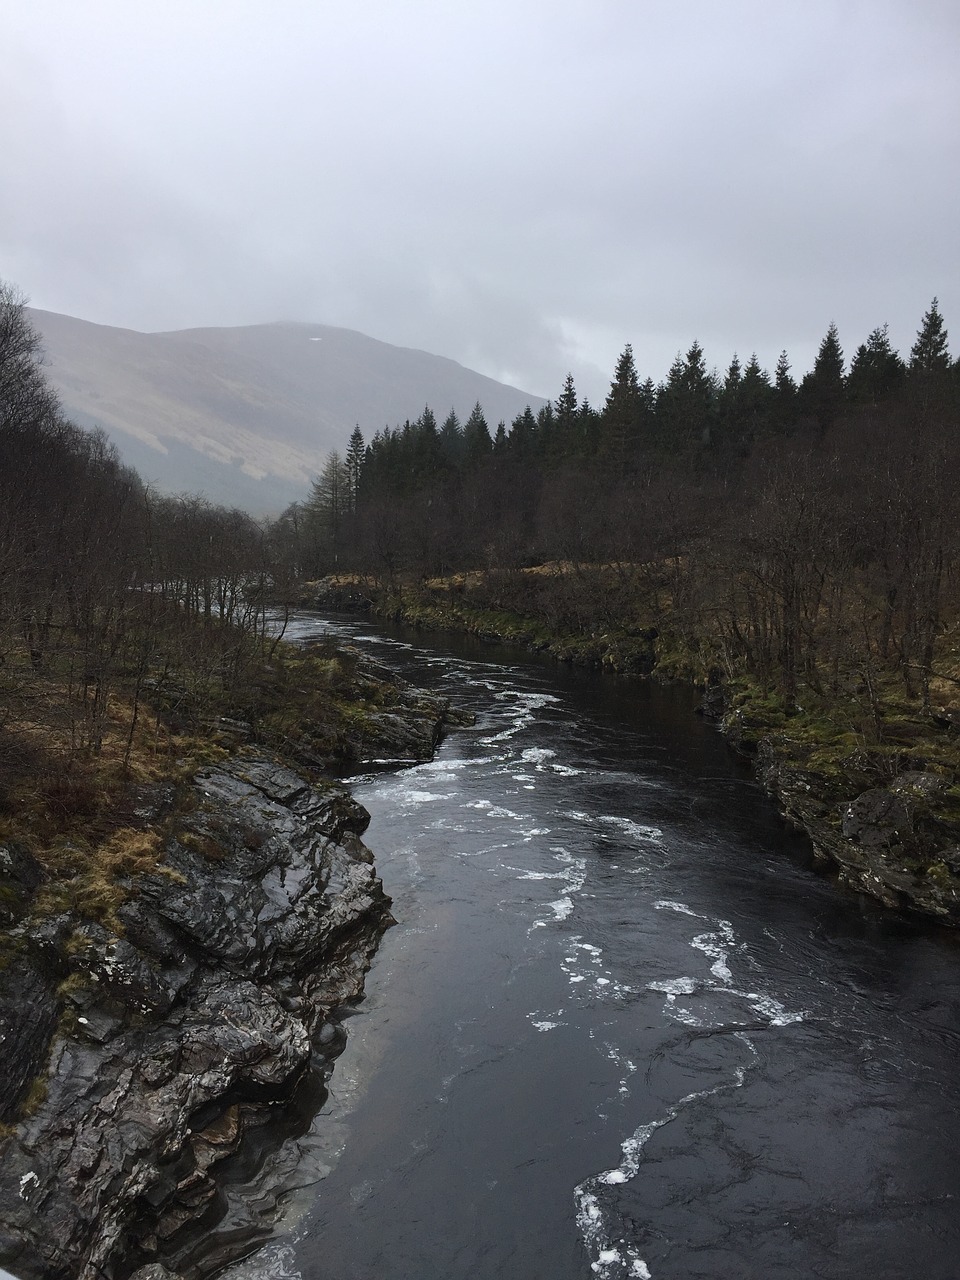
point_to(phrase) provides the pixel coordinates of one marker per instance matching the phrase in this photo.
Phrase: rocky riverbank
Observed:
(887, 822)
(877, 792)
(162, 1057)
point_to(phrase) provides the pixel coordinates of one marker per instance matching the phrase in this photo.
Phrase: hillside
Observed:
(248, 414)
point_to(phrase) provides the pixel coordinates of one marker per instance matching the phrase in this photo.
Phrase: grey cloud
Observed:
(522, 187)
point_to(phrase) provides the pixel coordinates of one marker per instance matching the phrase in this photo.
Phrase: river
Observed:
(623, 1028)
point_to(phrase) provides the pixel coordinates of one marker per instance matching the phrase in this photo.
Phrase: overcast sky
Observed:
(524, 186)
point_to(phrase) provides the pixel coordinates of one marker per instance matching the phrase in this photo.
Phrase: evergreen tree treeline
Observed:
(808, 531)
(459, 495)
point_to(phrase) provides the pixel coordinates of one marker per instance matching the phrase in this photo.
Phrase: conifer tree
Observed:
(930, 354)
(686, 406)
(452, 441)
(756, 400)
(326, 510)
(567, 420)
(426, 448)
(823, 388)
(929, 372)
(523, 434)
(354, 461)
(784, 403)
(622, 412)
(548, 441)
(875, 370)
(729, 407)
(648, 396)
(477, 444)
(566, 405)
(783, 379)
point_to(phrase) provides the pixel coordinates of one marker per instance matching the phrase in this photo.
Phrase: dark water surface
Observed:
(623, 1028)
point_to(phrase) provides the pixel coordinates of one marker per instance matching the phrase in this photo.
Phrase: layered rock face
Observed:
(161, 1066)
(890, 842)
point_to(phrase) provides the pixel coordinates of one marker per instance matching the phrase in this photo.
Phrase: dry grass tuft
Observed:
(99, 890)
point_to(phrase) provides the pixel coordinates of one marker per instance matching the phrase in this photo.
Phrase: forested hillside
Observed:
(807, 532)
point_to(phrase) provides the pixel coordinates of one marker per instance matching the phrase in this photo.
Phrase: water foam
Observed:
(635, 830)
(717, 944)
(272, 1262)
(412, 796)
(588, 968)
(611, 1258)
(526, 706)
(494, 810)
(572, 873)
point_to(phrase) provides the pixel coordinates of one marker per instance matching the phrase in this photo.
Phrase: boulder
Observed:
(877, 819)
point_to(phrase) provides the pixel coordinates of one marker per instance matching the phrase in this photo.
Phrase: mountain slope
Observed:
(248, 414)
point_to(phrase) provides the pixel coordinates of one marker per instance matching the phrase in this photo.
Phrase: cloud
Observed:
(522, 187)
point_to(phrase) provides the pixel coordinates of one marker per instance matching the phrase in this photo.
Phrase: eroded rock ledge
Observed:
(166, 1061)
(894, 842)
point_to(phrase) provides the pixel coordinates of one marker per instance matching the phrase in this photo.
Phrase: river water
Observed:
(622, 1028)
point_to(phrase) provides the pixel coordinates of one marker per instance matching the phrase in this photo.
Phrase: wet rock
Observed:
(919, 784)
(883, 842)
(947, 717)
(332, 593)
(408, 728)
(713, 703)
(877, 819)
(154, 1272)
(169, 1046)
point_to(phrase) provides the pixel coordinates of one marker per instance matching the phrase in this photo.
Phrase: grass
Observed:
(35, 1098)
(80, 813)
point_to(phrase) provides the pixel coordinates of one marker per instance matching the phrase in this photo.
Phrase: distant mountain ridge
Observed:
(248, 414)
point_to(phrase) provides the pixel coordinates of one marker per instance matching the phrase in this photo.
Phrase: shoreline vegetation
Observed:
(184, 918)
(872, 779)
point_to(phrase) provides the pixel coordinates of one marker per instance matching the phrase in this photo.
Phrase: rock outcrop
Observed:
(890, 842)
(161, 1065)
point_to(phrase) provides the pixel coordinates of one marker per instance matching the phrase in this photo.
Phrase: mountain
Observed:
(247, 415)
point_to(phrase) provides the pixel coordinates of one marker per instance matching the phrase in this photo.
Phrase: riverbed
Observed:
(623, 1027)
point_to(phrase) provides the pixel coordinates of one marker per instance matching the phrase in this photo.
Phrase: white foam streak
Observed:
(613, 1259)
(272, 1262)
(610, 1258)
(635, 830)
(676, 986)
(572, 872)
(495, 811)
(590, 970)
(527, 704)
(666, 904)
(718, 946)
